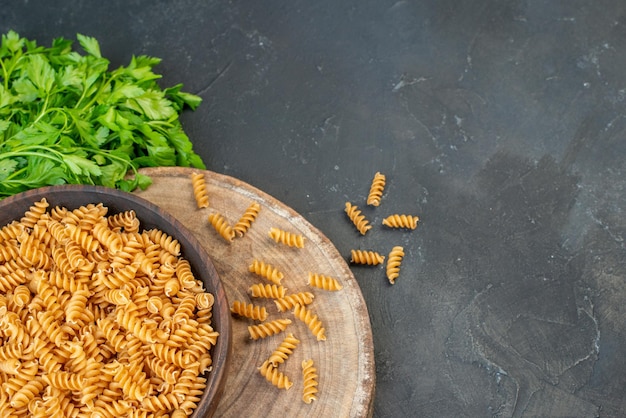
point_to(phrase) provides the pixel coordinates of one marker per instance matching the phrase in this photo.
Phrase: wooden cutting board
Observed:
(344, 361)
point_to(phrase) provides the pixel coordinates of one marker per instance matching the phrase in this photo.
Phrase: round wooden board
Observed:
(344, 361)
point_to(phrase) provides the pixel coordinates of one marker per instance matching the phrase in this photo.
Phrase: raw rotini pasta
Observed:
(309, 378)
(168, 243)
(287, 238)
(394, 260)
(311, 320)
(266, 270)
(289, 301)
(401, 221)
(249, 310)
(324, 282)
(284, 350)
(199, 189)
(265, 290)
(265, 329)
(368, 257)
(357, 218)
(36, 211)
(86, 324)
(125, 221)
(249, 216)
(221, 225)
(274, 376)
(376, 189)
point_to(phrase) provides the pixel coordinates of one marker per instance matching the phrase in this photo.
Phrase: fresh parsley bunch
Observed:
(65, 118)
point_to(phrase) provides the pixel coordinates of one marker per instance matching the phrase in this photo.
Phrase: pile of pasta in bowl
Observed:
(108, 307)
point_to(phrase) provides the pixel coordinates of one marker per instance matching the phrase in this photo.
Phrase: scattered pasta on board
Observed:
(199, 189)
(309, 377)
(221, 226)
(287, 238)
(247, 219)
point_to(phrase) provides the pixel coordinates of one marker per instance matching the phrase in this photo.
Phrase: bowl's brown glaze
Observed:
(151, 216)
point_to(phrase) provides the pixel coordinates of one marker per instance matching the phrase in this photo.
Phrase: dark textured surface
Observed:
(500, 123)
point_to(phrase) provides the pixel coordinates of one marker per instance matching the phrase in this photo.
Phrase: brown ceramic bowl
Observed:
(151, 216)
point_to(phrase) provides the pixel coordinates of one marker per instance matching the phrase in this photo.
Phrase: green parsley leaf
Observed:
(66, 118)
(89, 44)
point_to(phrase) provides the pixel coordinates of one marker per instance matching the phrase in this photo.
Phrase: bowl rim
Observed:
(11, 209)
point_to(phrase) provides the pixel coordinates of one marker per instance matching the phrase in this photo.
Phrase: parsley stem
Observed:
(21, 153)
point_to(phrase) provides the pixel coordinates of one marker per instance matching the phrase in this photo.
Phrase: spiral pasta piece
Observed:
(76, 309)
(289, 301)
(107, 237)
(112, 333)
(125, 221)
(371, 258)
(57, 334)
(205, 300)
(189, 389)
(31, 252)
(34, 213)
(185, 275)
(199, 189)
(401, 221)
(221, 225)
(185, 309)
(393, 263)
(324, 282)
(9, 251)
(21, 295)
(271, 291)
(132, 381)
(249, 310)
(57, 230)
(166, 371)
(167, 242)
(311, 320)
(10, 366)
(309, 378)
(357, 218)
(83, 238)
(11, 351)
(263, 269)
(287, 238)
(11, 231)
(247, 219)
(47, 354)
(266, 329)
(284, 350)
(274, 376)
(118, 296)
(65, 380)
(160, 402)
(169, 354)
(88, 215)
(376, 189)
(11, 280)
(75, 255)
(61, 280)
(27, 392)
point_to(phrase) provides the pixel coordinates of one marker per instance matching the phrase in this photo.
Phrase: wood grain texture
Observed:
(345, 360)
